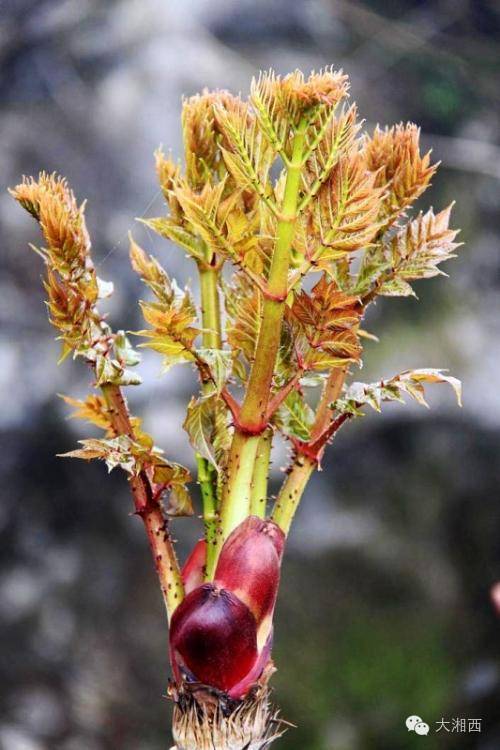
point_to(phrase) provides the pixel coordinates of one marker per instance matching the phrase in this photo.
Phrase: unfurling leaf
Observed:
(111, 372)
(135, 454)
(295, 418)
(220, 365)
(93, 409)
(171, 317)
(411, 382)
(328, 139)
(413, 252)
(422, 245)
(174, 477)
(207, 427)
(247, 156)
(179, 502)
(125, 353)
(244, 309)
(345, 215)
(113, 451)
(325, 323)
(393, 155)
(174, 232)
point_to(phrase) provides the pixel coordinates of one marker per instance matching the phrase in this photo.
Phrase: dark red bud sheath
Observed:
(193, 571)
(241, 688)
(249, 566)
(213, 638)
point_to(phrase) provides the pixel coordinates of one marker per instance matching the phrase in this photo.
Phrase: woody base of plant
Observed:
(204, 719)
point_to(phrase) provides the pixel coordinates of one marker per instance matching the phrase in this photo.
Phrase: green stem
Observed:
(236, 497)
(254, 408)
(207, 479)
(292, 491)
(207, 474)
(210, 306)
(258, 489)
(253, 420)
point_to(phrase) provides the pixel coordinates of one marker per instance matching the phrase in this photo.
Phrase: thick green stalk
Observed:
(292, 491)
(254, 408)
(253, 416)
(210, 306)
(207, 475)
(258, 489)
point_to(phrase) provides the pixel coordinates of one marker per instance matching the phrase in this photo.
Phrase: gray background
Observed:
(385, 606)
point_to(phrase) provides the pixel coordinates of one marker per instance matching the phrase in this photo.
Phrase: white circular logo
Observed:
(412, 721)
(417, 725)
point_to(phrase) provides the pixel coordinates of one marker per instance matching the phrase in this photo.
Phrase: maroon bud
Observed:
(213, 638)
(193, 572)
(241, 688)
(249, 566)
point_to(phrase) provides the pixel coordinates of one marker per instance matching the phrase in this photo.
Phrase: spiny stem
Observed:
(258, 490)
(207, 478)
(148, 508)
(236, 497)
(291, 492)
(254, 407)
(331, 392)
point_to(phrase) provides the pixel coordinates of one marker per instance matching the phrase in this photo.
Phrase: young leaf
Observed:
(171, 318)
(110, 371)
(93, 409)
(411, 382)
(328, 139)
(207, 427)
(248, 156)
(173, 231)
(295, 417)
(113, 451)
(179, 502)
(422, 245)
(124, 350)
(325, 324)
(244, 309)
(393, 156)
(346, 213)
(220, 364)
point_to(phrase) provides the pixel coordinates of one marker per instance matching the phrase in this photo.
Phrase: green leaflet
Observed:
(171, 230)
(295, 417)
(206, 424)
(220, 364)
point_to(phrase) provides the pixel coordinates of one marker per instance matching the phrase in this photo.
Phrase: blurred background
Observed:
(397, 543)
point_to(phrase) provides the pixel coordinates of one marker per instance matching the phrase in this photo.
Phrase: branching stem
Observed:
(306, 461)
